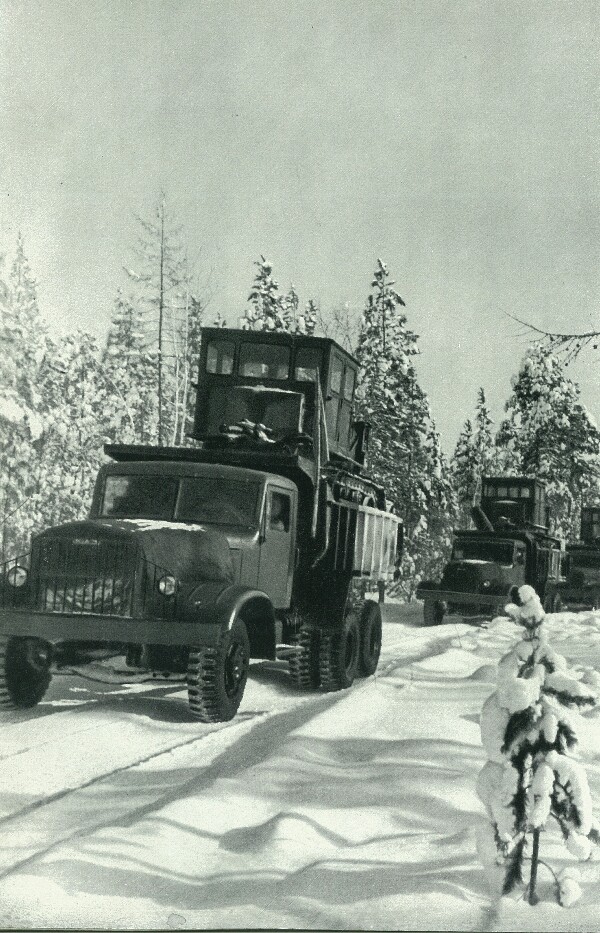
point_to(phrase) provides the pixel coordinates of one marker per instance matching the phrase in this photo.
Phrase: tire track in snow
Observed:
(56, 819)
(50, 823)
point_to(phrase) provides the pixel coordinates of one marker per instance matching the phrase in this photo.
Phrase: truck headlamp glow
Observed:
(167, 585)
(16, 576)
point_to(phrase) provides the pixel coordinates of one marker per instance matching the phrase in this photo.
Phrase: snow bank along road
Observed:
(336, 811)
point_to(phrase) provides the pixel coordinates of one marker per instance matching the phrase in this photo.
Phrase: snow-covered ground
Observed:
(354, 810)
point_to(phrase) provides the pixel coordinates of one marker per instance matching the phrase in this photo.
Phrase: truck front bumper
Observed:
(56, 627)
(450, 599)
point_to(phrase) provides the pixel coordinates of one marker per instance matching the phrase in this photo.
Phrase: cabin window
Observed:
(219, 357)
(264, 361)
(349, 380)
(308, 361)
(337, 370)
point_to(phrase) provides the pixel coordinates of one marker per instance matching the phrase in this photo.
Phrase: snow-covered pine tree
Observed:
(23, 343)
(532, 783)
(548, 433)
(404, 448)
(74, 400)
(129, 371)
(483, 437)
(463, 466)
(266, 311)
(473, 457)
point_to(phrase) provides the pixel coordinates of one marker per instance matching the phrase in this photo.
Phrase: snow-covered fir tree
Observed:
(265, 311)
(532, 783)
(548, 433)
(405, 456)
(474, 456)
(74, 396)
(129, 371)
(23, 343)
(268, 309)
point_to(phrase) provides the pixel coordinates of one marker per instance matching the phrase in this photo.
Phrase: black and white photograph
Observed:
(300, 465)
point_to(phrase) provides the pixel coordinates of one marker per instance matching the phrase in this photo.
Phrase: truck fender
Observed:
(426, 586)
(255, 609)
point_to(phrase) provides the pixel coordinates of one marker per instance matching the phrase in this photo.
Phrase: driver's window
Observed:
(279, 512)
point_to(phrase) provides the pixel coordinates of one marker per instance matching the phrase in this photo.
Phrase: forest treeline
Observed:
(62, 399)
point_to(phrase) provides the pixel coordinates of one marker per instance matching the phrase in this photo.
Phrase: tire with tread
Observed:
(216, 676)
(433, 614)
(370, 629)
(24, 671)
(338, 655)
(304, 663)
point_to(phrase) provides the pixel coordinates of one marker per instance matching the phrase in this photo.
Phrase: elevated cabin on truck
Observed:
(517, 502)
(280, 381)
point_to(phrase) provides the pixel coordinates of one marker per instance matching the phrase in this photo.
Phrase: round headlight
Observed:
(167, 585)
(486, 584)
(16, 576)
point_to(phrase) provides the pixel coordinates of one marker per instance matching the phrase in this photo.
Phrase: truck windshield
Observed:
(500, 552)
(217, 500)
(208, 499)
(141, 496)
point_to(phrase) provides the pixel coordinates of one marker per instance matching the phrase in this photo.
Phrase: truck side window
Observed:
(219, 357)
(336, 375)
(279, 512)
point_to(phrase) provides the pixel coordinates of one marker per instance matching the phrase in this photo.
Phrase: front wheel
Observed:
(433, 614)
(370, 639)
(24, 671)
(338, 655)
(216, 677)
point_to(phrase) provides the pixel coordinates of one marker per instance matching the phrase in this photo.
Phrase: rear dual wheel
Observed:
(304, 663)
(339, 655)
(24, 671)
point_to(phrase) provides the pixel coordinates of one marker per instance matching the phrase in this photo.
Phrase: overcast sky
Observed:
(459, 141)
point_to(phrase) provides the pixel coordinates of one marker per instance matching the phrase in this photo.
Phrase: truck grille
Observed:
(460, 579)
(83, 576)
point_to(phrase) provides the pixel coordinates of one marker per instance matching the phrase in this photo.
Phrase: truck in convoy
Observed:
(256, 541)
(580, 590)
(510, 546)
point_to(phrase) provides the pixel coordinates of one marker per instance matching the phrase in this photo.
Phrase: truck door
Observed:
(278, 532)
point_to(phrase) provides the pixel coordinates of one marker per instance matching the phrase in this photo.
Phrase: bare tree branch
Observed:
(569, 345)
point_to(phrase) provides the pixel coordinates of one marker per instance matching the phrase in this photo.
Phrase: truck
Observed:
(510, 546)
(265, 538)
(580, 590)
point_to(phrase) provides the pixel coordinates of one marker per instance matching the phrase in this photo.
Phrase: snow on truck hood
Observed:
(188, 551)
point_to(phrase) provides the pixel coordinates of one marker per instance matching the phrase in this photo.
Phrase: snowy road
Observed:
(82, 759)
(340, 811)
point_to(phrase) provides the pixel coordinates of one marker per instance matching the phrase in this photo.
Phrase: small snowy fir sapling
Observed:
(532, 780)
